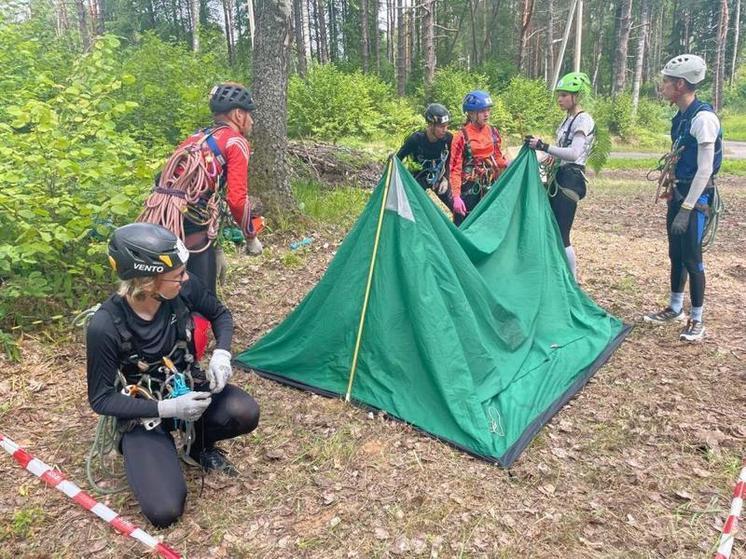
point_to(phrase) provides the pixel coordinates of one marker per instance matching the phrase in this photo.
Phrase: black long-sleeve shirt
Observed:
(153, 339)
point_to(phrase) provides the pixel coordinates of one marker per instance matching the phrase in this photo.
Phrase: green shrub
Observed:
(170, 86)
(615, 115)
(450, 85)
(530, 106)
(331, 104)
(67, 173)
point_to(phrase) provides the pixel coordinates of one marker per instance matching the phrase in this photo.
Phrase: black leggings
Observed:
(564, 212)
(152, 462)
(563, 207)
(204, 265)
(685, 252)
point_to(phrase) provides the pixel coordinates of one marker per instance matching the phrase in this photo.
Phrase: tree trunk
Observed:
(619, 79)
(526, 12)
(228, 18)
(718, 69)
(98, 6)
(85, 38)
(474, 52)
(306, 23)
(401, 50)
(489, 30)
(364, 44)
(324, 42)
(736, 29)
(376, 34)
(300, 50)
(63, 23)
(642, 42)
(195, 24)
(428, 23)
(333, 35)
(550, 37)
(269, 167)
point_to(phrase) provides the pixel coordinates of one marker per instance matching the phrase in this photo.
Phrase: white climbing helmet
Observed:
(689, 67)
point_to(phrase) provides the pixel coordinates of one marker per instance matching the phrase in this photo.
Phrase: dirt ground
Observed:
(641, 464)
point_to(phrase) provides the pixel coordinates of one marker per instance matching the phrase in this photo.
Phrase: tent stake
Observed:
(353, 368)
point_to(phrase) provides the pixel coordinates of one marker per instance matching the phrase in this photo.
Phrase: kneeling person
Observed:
(431, 150)
(141, 369)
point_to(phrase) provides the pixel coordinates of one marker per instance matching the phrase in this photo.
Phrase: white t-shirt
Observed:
(705, 127)
(582, 122)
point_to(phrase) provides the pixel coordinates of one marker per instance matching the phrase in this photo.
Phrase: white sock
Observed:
(697, 313)
(570, 253)
(677, 301)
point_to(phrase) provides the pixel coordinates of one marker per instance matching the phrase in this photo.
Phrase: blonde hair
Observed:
(137, 288)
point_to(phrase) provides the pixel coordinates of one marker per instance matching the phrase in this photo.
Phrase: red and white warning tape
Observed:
(731, 524)
(54, 478)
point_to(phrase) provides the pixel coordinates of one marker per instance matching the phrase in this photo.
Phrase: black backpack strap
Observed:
(128, 347)
(184, 320)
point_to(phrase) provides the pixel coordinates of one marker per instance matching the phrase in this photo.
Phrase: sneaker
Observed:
(665, 316)
(213, 459)
(694, 331)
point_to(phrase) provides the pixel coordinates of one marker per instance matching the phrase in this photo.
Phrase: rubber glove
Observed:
(188, 407)
(219, 371)
(458, 205)
(680, 222)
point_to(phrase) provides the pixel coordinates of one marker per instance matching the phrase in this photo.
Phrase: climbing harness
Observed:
(664, 173)
(481, 173)
(188, 188)
(551, 170)
(138, 378)
(434, 170)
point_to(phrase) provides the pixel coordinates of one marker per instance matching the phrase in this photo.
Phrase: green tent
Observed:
(476, 335)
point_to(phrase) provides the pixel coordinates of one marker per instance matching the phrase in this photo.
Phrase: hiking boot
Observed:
(694, 331)
(666, 316)
(213, 459)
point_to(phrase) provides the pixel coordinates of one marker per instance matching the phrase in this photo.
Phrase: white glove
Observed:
(219, 371)
(254, 246)
(188, 407)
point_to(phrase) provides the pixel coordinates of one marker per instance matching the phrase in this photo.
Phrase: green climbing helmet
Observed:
(574, 82)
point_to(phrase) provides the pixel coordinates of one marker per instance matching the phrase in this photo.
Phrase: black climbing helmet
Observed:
(145, 249)
(437, 114)
(228, 96)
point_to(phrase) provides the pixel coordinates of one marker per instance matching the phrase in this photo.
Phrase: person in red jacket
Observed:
(210, 162)
(476, 156)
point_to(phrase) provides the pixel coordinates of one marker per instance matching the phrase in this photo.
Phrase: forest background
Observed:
(94, 94)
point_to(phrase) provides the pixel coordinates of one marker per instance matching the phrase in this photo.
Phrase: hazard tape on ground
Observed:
(731, 524)
(54, 478)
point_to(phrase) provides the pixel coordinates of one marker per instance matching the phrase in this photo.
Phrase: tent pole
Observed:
(353, 368)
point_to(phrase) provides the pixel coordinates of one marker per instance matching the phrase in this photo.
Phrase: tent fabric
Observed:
(476, 335)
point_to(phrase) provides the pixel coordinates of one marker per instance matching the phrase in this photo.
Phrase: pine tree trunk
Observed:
(718, 69)
(228, 18)
(376, 34)
(321, 24)
(364, 46)
(428, 23)
(622, 47)
(736, 30)
(550, 36)
(85, 38)
(99, 7)
(642, 42)
(268, 169)
(195, 24)
(299, 40)
(527, 11)
(401, 50)
(474, 52)
(306, 23)
(333, 35)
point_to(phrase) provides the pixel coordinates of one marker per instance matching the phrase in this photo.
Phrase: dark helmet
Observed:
(228, 96)
(437, 114)
(145, 249)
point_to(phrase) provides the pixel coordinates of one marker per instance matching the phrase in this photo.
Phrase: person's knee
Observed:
(247, 417)
(166, 511)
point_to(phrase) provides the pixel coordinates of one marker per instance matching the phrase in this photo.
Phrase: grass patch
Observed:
(734, 126)
(729, 167)
(340, 206)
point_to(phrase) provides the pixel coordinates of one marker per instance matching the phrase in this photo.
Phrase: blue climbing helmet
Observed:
(476, 101)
